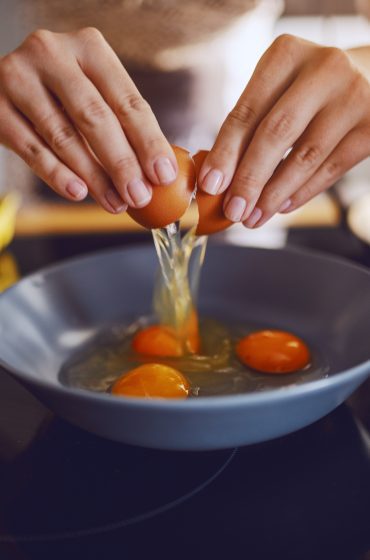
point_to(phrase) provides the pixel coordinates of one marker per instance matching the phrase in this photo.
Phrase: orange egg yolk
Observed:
(273, 351)
(157, 340)
(160, 340)
(152, 381)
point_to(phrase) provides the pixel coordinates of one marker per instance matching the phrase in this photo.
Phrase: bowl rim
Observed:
(210, 402)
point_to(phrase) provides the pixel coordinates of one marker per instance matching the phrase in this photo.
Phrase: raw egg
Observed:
(157, 340)
(169, 202)
(210, 207)
(161, 340)
(273, 351)
(190, 334)
(152, 381)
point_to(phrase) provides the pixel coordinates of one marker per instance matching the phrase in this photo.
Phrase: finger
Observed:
(278, 131)
(104, 69)
(102, 130)
(18, 135)
(62, 137)
(265, 87)
(351, 150)
(314, 146)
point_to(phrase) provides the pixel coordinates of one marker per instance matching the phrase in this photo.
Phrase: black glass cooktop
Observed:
(67, 494)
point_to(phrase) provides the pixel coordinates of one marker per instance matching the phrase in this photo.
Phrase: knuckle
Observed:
(10, 71)
(278, 126)
(335, 58)
(276, 195)
(91, 34)
(154, 145)
(304, 194)
(40, 40)
(124, 164)
(285, 42)
(92, 113)
(61, 136)
(332, 170)
(31, 154)
(129, 104)
(242, 114)
(246, 182)
(272, 199)
(307, 156)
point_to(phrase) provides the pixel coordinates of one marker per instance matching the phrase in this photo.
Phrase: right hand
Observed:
(69, 109)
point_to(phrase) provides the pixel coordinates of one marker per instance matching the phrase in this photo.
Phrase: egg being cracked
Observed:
(170, 202)
(210, 207)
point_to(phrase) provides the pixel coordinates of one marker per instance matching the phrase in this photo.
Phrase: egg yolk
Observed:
(160, 340)
(157, 340)
(152, 381)
(273, 351)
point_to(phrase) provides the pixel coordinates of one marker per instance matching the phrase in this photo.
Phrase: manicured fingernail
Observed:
(285, 205)
(254, 218)
(138, 192)
(212, 181)
(164, 170)
(235, 208)
(115, 201)
(76, 189)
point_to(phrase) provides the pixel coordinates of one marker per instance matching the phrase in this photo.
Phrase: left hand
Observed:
(311, 99)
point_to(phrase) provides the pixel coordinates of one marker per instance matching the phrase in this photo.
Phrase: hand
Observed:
(313, 100)
(71, 111)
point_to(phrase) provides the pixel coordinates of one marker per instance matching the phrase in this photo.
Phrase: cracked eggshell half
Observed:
(210, 207)
(169, 202)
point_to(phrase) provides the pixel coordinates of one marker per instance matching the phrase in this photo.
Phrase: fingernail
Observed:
(164, 170)
(235, 208)
(139, 192)
(115, 201)
(212, 181)
(285, 205)
(254, 218)
(76, 189)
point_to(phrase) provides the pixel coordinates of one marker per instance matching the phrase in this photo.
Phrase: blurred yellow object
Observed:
(8, 271)
(9, 205)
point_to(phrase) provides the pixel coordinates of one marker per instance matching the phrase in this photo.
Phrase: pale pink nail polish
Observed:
(164, 170)
(115, 201)
(139, 192)
(254, 218)
(235, 208)
(212, 181)
(285, 205)
(76, 189)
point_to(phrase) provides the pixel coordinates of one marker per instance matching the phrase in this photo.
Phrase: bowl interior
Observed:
(46, 317)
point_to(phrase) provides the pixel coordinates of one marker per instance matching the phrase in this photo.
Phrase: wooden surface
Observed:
(49, 219)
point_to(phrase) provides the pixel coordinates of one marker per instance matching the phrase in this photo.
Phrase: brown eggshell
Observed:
(169, 202)
(210, 207)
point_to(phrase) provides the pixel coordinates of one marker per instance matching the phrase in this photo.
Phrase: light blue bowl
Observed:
(45, 317)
